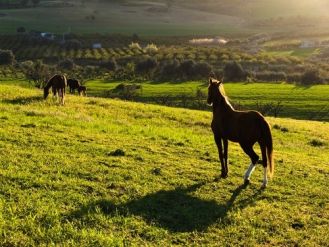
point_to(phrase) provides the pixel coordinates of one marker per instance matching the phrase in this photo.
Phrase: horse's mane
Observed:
(222, 92)
(49, 82)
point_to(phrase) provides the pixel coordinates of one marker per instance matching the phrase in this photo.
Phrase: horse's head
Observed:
(213, 90)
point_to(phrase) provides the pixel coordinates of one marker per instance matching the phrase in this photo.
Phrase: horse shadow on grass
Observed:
(23, 100)
(175, 210)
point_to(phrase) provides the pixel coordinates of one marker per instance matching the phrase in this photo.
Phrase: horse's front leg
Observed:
(218, 141)
(225, 142)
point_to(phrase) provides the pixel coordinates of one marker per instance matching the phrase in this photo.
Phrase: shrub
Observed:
(317, 143)
(127, 91)
(6, 57)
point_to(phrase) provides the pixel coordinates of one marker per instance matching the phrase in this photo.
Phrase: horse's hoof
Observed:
(263, 187)
(246, 181)
(223, 175)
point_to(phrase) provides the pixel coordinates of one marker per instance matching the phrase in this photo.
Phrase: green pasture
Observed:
(297, 101)
(298, 52)
(103, 172)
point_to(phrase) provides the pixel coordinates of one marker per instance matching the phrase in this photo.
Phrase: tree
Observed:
(186, 68)
(37, 73)
(73, 44)
(21, 30)
(135, 38)
(146, 66)
(170, 70)
(66, 64)
(202, 69)
(24, 3)
(6, 57)
(111, 65)
(311, 76)
(35, 2)
(233, 71)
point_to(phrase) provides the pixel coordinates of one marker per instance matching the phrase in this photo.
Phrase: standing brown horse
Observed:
(244, 127)
(58, 84)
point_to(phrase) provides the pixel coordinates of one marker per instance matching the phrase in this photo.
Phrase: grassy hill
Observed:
(113, 173)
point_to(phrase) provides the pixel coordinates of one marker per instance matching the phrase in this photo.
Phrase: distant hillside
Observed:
(168, 17)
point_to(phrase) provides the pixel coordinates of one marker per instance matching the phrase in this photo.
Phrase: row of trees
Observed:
(149, 68)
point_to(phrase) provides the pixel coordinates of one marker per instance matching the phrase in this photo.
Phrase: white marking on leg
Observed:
(265, 178)
(249, 171)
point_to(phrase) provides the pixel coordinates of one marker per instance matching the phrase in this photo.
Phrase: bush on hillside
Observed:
(7, 57)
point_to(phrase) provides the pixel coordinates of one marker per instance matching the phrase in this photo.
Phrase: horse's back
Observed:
(250, 126)
(73, 83)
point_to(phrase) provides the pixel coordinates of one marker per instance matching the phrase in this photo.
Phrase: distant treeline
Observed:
(18, 3)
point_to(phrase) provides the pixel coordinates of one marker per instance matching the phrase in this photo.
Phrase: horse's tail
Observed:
(266, 133)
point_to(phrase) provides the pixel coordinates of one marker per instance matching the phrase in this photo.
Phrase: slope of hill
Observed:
(108, 172)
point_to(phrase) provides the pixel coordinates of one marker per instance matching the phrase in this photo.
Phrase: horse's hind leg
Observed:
(247, 148)
(61, 95)
(264, 162)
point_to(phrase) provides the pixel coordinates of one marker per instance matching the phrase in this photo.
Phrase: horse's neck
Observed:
(222, 109)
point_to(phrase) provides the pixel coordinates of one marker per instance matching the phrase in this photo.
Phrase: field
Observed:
(297, 102)
(167, 18)
(103, 172)
(107, 17)
(297, 52)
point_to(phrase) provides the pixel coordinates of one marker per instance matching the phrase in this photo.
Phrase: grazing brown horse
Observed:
(73, 84)
(244, 127)
(58, 84)
(82, 90)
